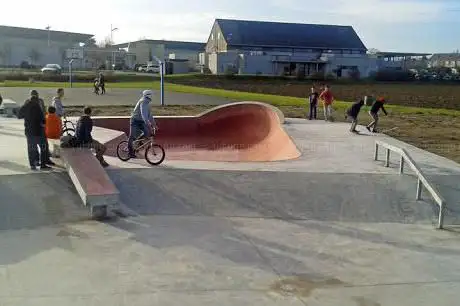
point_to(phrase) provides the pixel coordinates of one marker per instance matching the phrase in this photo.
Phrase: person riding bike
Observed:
(141, 122)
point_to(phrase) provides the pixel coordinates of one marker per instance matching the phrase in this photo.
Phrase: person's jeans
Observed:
(354, 123)
(312, 113)
(136, 129)
(327, 111)
(375, 121)
(37, 150)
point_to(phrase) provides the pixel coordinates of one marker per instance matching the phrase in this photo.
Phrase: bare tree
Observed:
(373, 51)
(107, 42)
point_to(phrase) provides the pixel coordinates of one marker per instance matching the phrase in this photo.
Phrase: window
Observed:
(212, 36)
(218, 35)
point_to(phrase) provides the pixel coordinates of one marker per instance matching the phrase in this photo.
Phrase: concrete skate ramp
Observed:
(242, 131)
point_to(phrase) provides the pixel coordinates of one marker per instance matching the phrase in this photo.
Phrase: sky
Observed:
(387, 25)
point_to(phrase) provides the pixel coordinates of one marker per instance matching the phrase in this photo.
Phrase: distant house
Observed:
(36, 46)
(446, 60)
(259, 47)
(166, 50)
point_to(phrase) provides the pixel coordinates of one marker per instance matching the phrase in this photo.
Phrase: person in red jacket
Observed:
(327, 98)
(53, 124)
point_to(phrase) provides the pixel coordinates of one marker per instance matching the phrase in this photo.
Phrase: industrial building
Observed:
(275, 48)
(181, 56)
(35, 46)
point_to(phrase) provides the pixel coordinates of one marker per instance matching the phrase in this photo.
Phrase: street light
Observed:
(48, 28)
(112, 29)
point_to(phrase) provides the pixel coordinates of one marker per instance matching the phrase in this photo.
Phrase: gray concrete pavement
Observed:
(114, 96)
(331, 228)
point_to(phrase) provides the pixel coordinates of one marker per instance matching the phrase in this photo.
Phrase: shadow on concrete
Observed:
(13, 166)
(32, 201)
(18, 135)
(40, 199)
(367, 198)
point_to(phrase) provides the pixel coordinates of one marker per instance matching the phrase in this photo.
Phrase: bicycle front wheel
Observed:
(155, 154)
(68, 132)
(122, 151)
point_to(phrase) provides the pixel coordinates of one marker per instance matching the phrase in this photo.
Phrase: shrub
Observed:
(393, 76)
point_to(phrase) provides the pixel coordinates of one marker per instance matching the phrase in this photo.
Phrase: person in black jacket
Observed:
(84, 138)
(34, 124)
(374, 112)
(313, 98)
(101, 82)
(353, 113)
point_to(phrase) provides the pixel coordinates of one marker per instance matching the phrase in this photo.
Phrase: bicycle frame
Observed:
(148, 141)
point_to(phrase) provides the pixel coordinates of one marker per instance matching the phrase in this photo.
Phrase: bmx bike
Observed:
(154, 153)
(68, 127)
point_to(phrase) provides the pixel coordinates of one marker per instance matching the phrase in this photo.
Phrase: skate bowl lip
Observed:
(280, 115)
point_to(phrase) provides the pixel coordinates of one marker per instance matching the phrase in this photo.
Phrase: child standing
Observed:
(313, 103)
(327, 98)
(353, 113)
(374, 112)
(53, 124)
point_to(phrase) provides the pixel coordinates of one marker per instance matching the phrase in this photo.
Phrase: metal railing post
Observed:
(419, 189)
(376, 152)
(441, 216)
(387, 158)
(401, 165)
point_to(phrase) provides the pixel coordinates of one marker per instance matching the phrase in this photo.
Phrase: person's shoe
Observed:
(33, 168)
(132, 155)
(51, 163)
(354, 131)
(375, 131)
(45, 168)
(104, 164)
(369, 129)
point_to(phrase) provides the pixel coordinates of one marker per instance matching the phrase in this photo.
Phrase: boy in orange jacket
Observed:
(53, 124)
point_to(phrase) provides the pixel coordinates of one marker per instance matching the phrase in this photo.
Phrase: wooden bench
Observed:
(93, 184)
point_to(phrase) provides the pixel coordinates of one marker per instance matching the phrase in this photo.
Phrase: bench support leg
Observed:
(98, 212)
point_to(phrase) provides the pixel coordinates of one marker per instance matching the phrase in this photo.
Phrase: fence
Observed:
(421, 179)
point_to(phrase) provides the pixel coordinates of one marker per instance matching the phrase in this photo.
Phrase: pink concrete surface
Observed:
(233, 132)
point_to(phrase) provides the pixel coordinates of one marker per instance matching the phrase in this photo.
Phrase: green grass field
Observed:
(340, 106)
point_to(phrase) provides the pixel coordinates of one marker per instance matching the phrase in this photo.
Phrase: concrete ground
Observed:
(330, 228)
(114, 96)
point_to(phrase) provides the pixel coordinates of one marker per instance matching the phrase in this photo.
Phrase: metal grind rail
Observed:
(421, 179)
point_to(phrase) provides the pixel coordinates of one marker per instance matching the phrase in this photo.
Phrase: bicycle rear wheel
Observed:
(122, 151)
(155, 154)
(69, 125)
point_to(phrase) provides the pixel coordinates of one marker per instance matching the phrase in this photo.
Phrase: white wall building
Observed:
(36, 47)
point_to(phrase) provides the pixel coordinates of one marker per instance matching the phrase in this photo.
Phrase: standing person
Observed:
(84, 138)
(327, 98)
(313, 103)
(101, 82)
(34, 126)
(53, 124)
(374, 113)
(353, 113)
(141, 122)
(56, 102)
(43, 108)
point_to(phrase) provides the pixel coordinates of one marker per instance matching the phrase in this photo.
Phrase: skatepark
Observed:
(249, 207)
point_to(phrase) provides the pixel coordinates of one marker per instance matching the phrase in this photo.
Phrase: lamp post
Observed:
(112, 29)
(49, 34)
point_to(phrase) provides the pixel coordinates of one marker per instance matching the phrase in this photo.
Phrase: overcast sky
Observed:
(388, 25)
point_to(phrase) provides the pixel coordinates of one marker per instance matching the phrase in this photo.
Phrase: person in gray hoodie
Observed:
(141, 122)
(57, 102)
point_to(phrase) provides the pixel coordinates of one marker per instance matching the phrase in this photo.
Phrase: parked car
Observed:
(52, 69)
(149, 69)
